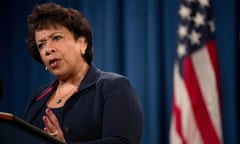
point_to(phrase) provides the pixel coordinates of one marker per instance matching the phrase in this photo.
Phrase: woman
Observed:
(84, 104)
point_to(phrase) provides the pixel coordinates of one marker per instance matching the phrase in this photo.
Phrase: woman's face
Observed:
(60, 52)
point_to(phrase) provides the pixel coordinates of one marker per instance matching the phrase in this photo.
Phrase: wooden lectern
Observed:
(14, 130)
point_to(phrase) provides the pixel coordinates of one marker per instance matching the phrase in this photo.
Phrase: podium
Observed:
(15, 130)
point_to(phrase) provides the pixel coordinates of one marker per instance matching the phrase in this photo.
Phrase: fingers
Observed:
(49, 126)
(51, 117)
(51, 122)
(52, 126)
(55, 133)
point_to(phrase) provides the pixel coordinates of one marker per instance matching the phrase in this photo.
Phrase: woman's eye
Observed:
(40, 45)
(57, 37)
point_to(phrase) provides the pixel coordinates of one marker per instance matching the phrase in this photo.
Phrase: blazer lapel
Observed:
(39, 102)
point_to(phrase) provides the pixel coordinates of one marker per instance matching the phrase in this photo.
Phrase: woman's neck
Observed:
(76, 78)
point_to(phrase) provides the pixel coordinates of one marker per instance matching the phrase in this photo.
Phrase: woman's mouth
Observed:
(54, 63)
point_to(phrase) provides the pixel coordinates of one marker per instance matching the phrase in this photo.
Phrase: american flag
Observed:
(196, 113)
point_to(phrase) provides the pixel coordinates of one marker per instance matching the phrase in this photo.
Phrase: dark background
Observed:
(136, 38)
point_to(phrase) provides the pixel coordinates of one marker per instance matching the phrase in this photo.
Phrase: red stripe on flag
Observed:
(212, 51)
(178, 119)
(200, 112)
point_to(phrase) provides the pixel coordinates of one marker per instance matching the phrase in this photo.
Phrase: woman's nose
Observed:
(50, 49)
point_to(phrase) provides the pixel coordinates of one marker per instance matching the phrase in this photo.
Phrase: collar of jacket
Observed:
(89, 80)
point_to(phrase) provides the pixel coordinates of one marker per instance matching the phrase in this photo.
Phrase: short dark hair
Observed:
(49, 15)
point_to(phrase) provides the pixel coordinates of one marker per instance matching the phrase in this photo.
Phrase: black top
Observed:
(37, 121)
(105, 110)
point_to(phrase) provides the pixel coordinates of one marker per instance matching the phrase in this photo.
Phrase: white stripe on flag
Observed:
(207, 82)
(175, 139)
(189, 128)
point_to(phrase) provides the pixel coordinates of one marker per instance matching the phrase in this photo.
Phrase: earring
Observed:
(46, 68)
(83, 52)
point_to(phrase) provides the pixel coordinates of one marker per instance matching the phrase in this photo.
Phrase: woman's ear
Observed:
(83, 44)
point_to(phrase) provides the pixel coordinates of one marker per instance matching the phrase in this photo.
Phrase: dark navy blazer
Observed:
(104, 110)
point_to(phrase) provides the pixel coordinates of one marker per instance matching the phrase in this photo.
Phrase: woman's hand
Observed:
(52, 126)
